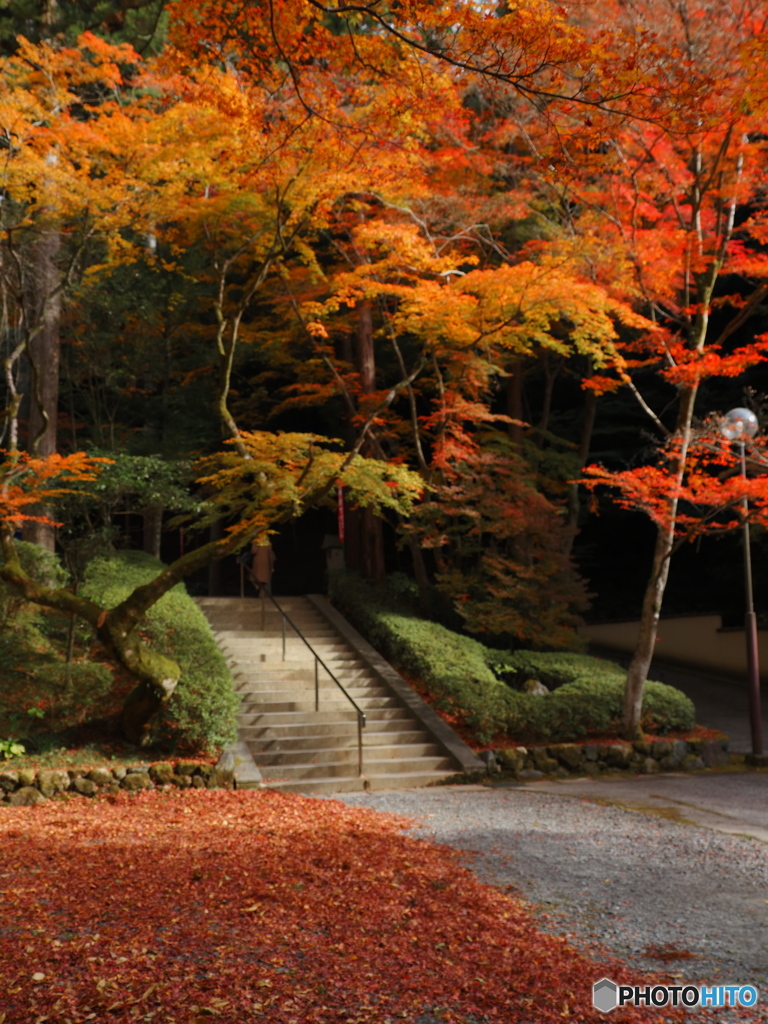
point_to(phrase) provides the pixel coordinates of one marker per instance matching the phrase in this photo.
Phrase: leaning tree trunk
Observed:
(657, 582)
(117, 628)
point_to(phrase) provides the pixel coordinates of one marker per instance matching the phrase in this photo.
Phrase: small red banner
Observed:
(340, 511)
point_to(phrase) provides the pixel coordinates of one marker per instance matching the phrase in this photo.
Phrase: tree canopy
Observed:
(244, 231)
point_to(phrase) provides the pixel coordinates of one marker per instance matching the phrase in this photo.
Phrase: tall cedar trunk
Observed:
(515, 403)
(371, 531)
(153, 530)
(574, 505)
(215, 574)
(550, 375)
(44, 353)
(44, 350)
(420, 573)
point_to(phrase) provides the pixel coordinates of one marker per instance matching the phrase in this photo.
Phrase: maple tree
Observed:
(666, 212)
(115, 168)
(262, 140)
(445, 331)
(276, 901)
(499, 548)
(279, 477)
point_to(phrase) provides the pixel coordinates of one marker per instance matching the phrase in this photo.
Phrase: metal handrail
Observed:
(319, 661)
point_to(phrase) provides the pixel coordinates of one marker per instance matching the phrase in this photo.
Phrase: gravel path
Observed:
(611, 877)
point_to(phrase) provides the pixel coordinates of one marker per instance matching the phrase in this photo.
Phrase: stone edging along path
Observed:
(643, 756)
(25, 787)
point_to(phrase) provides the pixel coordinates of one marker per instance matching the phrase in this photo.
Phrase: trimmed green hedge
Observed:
(202, 712)
(475, 683)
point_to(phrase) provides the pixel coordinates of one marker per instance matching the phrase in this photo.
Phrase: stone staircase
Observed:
(298, 748)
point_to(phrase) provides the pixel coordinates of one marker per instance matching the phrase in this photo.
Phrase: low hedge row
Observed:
(476, 684)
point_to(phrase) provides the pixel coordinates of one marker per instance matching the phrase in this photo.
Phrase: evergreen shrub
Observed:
(202, 712)
(477, 684)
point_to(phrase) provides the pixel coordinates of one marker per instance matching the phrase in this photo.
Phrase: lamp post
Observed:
(738, 425)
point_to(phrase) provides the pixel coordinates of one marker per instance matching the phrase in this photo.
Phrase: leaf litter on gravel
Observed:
(258, 906)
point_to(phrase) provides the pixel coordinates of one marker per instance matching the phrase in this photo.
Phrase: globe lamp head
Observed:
(738, 425)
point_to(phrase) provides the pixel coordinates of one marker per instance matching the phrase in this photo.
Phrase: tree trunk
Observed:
(43, 355)
(215, 575)
(420, 573)
(372, 547)
(117, 628)
(153, 530)
(515, 403)
(574, 505)
(646, 642)
(654, 591)
(371, 531)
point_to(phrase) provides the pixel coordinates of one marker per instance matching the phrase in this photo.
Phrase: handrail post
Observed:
(317, 688)
(359, 743)
(283, 617)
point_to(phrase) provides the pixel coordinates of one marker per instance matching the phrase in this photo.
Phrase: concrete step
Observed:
(366, 704)
(253, 601)
(341, 755)
(254, 703)
(371, 768)
(340, 741)
(322, 717)
(355, 784)
(258, 666)
(298, 669)
(337, 727)
(258, 690)
(297, 748)
(329, 701)
(229, 629)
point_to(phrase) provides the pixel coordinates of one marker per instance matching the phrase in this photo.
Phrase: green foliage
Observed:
(202, 711)
(141, 22)
(40, 565)
(41, 691)
(475, 684)
(552, 669)
(453, 668)
(584, 679)
(140, 482)
(284, 473)
(43, 694)
(11, 748)
(127, 483)
(501, 546)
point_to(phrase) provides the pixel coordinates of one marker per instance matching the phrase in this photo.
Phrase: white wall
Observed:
(693, 639)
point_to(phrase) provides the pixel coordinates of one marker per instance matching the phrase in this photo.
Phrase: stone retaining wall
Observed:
(643, 756)
(25, 787)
